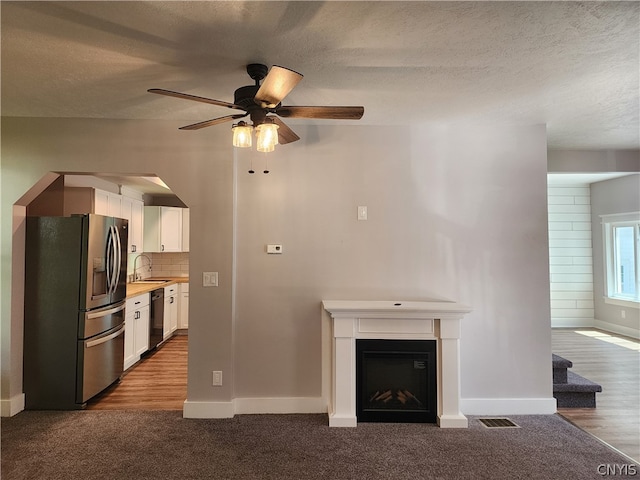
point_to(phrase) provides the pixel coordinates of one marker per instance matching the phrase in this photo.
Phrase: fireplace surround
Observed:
(347, 321)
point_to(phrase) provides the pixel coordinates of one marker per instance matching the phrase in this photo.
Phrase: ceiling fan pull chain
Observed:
(251, 170)
(266, 167)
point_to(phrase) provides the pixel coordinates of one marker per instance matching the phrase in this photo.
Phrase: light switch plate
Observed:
(209, 279)
(362, 212)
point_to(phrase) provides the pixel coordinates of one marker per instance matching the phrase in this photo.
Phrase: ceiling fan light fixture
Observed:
(267, 136)
(242, 135)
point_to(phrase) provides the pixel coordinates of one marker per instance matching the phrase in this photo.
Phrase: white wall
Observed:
(454, 213)
(570, 255)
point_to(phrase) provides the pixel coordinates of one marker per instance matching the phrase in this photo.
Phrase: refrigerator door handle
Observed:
(118, 244)
(109, 261)
(101, 340)
(103, 313)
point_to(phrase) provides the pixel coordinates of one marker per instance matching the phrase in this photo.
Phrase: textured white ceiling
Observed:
(573, 66)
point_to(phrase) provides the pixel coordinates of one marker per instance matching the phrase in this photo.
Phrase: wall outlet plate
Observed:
(274, 248)
(209, 279)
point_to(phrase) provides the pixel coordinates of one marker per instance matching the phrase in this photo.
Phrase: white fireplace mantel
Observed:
(399, 320)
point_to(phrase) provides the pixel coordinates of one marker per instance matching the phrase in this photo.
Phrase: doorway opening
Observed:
(124, 196)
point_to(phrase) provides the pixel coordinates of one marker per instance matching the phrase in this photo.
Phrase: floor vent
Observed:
(498, 423)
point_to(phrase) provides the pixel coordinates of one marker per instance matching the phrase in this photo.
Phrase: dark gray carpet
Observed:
(95, 445)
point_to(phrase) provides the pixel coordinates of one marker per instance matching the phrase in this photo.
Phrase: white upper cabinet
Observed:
(92, 200)
(101, 202)
(163, 229)
(133, 210)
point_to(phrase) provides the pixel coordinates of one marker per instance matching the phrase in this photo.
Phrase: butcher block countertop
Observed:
(134, 289)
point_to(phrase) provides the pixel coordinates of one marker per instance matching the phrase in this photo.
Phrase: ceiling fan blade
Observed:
(195, 98)
(215, 121)
(340, 113)
(285, 134)
(276, 85)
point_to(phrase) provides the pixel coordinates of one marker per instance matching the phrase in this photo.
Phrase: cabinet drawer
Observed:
(139, 301)
(170, 290)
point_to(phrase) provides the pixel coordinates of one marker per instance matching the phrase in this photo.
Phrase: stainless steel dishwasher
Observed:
(156, 331)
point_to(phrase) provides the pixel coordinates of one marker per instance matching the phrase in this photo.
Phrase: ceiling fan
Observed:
(263, 103)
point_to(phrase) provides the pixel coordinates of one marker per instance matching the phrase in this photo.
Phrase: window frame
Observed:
(609, 224)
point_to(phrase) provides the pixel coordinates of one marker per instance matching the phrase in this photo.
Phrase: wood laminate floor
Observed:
(614, 362)
(157, 382)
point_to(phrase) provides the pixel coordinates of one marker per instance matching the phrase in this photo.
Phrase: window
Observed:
(622, 258)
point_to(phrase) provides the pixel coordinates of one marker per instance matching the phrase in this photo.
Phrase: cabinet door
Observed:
(162, 229)
(173, 322)
(132, 210)
(142, 331)
(171, 229)
(183, 317)
(115, 205)
(101, 202)
(129, 339)
(125, 211)
(136, 226)
(166, 319)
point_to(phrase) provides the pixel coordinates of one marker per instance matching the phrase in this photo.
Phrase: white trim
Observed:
(279, 405)
(619, 329)
(621, 302)
(351, 320)
(609, 223)
(508, 406)
(207, 409)
(572, 322)
(620, 217)
(12, 406)
(248, 406)
(453, 421)
(342, 421)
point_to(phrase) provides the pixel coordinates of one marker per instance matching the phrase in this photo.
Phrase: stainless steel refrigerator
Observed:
(75, 289)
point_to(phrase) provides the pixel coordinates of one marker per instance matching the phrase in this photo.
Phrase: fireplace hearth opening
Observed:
(396, 381)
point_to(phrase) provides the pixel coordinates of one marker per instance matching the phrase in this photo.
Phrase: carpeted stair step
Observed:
(560, 366)
(578, 392)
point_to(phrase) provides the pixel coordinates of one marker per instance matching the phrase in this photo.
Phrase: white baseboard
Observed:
(572, 323)
(508, 406)
(279, 405)
(242, 406)
(619, 329)
(595, 323)
(12, 406)
(207, 409)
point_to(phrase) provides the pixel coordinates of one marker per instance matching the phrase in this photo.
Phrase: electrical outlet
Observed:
(274, 248)
(217, 379)
(623, 314)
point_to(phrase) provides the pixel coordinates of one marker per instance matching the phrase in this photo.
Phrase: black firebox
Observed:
(396, 381)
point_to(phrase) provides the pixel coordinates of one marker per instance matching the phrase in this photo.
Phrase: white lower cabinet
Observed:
(136, 329)
(183, 318)
(170, 319)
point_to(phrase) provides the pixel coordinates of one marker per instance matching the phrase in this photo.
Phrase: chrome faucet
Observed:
(135, 274)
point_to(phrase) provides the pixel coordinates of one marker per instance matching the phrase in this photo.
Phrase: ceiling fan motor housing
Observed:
(243, 97)
(257, 71)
